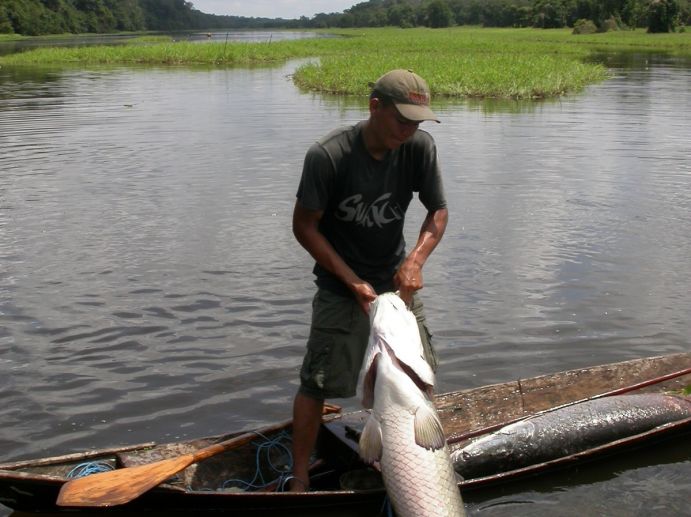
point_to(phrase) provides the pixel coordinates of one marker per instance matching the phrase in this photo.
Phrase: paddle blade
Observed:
(120, 486)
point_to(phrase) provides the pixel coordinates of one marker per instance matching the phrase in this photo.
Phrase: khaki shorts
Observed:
(337, 343)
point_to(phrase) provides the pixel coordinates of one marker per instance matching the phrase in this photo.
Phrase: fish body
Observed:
(403, 431)
(566, 431)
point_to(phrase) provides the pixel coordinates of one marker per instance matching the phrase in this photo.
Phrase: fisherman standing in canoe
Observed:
(356, 185)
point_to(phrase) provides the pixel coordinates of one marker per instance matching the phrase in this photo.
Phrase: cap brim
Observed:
(415, 112)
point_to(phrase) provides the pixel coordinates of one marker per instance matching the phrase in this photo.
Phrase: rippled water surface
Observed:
(151, 289)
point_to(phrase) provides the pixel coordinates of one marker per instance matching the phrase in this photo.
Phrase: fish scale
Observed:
(417, 478)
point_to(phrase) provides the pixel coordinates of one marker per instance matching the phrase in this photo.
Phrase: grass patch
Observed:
(11, 37)
(457, 62)
(161, 53)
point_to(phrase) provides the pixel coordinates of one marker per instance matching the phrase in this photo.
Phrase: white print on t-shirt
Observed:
(379, 213)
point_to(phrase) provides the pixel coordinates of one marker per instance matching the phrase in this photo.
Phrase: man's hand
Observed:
(408, 280)
(364, 294)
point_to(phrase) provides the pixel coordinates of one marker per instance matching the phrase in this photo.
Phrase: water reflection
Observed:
(83, 40)
(265, 36)
(24, 83)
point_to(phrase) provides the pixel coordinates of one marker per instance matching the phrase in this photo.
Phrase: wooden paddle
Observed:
(121, 486)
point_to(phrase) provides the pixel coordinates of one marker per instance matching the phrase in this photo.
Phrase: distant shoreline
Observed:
(458, 62)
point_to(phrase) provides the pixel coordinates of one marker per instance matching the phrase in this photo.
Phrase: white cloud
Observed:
(273, 8)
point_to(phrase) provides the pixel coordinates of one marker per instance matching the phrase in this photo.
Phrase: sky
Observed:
(288, 9)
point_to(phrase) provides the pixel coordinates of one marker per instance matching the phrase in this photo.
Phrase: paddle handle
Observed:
(235, 442)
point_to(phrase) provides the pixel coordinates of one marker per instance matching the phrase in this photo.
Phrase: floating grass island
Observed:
(457, 62)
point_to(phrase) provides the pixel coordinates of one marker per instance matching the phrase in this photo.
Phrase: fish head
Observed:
(394, 331)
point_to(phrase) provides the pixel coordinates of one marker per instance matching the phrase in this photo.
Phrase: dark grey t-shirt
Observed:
(365, 200)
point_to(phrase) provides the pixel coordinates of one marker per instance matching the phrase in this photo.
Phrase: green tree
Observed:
(505, 13)
(663, 15)
(634, 13)
(550, 14)
(128, 14)
(468, 12)
(401, 15)
(5, 23)
(167, 14)
(369, 14)
(321, 21)
(97, 16)
(28, 17)
(344, 20)
(439, 14)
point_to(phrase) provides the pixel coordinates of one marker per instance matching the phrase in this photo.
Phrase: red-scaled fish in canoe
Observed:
(567, 430)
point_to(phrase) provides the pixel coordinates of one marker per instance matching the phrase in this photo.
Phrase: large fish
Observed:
(567, 430)
(403, 431)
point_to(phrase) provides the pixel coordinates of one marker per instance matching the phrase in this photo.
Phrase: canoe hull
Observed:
(33, 485)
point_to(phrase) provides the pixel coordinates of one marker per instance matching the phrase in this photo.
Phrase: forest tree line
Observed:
(513, 13)
(36, 17)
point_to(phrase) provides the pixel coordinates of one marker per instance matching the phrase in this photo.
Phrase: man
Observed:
(357, 183)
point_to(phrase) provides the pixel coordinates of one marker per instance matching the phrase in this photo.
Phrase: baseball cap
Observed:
(409, 93)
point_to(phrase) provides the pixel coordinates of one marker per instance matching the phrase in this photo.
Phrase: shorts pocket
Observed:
(335, 347)
(331, 313)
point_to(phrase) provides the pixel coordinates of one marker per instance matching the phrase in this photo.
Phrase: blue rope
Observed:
(280, 444)
(386, 507)
(86, 469)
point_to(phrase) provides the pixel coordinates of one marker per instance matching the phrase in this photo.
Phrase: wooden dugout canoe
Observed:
(213, 485)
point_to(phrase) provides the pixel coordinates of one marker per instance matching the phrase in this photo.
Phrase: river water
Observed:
(151, 289)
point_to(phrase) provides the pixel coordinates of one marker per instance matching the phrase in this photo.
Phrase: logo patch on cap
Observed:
(418, 98)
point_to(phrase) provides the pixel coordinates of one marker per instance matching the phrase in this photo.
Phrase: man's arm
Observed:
(306, 231)
(408, 278)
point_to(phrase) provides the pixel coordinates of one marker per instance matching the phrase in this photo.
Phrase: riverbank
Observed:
(11, 37)
(458, 62)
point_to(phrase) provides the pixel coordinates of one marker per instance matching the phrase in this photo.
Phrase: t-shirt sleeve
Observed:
(430, 186)
(317, 179)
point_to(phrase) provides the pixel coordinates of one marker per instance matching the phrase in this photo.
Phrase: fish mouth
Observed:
(410, 372)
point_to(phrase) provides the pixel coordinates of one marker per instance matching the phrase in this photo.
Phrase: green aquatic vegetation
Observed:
(472, 75)
(457, 62)
(161, 53)
(11, 37)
